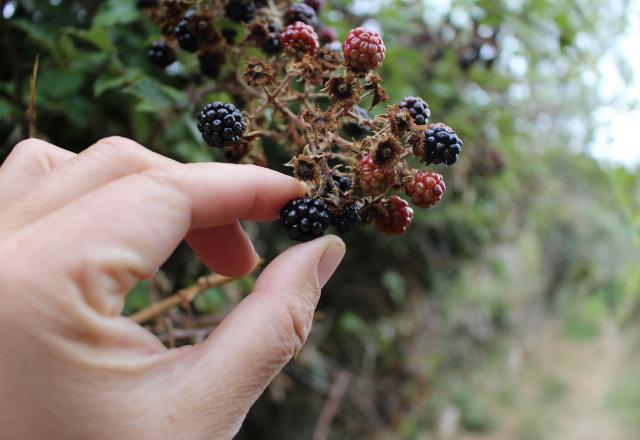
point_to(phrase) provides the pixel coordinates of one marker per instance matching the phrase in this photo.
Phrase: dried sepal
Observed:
(387, 151)
(343, 91)
(257, 73)
(309, 69)
(400, 120)
(329, 59)
(379, 94)
(306, 168)
(416, 141)
(322, 123)
(236, 153)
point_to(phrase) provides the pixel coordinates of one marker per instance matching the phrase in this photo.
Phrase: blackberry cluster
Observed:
(161, 54)
(300, 37)
(305, 219)
(185, 35)
(396, 218)
(221, 125)
(301, 12)
(418, 109)
(240, 10)
(441, 145)
(363, 50)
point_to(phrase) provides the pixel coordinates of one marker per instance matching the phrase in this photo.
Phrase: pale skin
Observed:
(77, 232)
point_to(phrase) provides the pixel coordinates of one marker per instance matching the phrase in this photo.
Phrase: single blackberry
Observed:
(315, 4)
(221, 124)
(418, 109)
(185, 35)
(229, 35)
(240, 10)
(300, 37)
(355, 128)
(305, 219)
(373, 179)
(271, 45)
(426, 189)
(161, 54)
(327, 35)
(395, 218)
(363, 50)
(211, 63)
(441, 145)
(346, 219)
(344, 183)
(301, 12)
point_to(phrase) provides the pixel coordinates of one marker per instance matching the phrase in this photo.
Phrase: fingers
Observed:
(137, 221)
(107, 160)
(225, 250)
(26, 164)
(260, 336)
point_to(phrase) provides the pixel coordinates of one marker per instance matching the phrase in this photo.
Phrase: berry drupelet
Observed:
(396, 218)
(240, 10)
(418, 109)
(300, 37)
(441, 145)
(305, 219)
(374, 179)
(221, 124)
(161, 54)
(363, 50)
(346, 219)
(301, 12)
(426, 189)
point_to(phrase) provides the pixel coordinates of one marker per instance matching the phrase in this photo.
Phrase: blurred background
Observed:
(510, 311)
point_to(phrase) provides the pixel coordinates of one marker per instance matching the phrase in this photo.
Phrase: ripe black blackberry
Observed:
(221, 124)
(229, 35)
(305, 219)
(211, 63)
(271, 44)
(346, 219)
(240, 10)
(161, 54)
(418, 108)
(355, 128)
(185, 35)
(441, 145)
(301, 12)
(344, 183)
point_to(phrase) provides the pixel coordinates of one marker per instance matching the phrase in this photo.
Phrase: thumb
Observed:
(239, 359)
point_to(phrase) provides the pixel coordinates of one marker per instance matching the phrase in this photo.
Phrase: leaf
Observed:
(138, 298)
(5, 109)
(154, 96)
(57, 84)
(108, 82)
(97, 36)
(114, 12)
(35, 33)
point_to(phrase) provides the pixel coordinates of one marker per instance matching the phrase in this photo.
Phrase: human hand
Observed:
(77, 232)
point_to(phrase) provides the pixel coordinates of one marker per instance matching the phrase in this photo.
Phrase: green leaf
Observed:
(114, 12)
(138, 298)
(97, 36)
(5, 109)
(57, 84)
(35, 33)
(109, 82)
(154, 96)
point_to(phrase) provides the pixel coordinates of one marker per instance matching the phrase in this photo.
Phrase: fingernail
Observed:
(330, 260)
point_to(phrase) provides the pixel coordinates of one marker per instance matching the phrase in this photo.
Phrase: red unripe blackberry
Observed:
(363, 50)
(426, 189)
(374, 179)
(305, 219)
(301, 12)
(396, 218)
(418, 108)
(300, 37)
(315, 4)
(221, 124)
(327, 35)
(240, 10)
(441, 145)
(161, 54)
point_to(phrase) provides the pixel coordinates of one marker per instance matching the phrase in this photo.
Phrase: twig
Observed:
(31, 110)
(183, 296)
(331, 405)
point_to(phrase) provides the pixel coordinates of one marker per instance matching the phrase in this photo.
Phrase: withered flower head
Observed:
(400, 120)
(321, 122)
(307, 169)
(386, 152)
(310, 69)
(416, 140)
(329, 59)
(343, 90)
(258, 73)
(258, 33)
(379, 94)
(236, 153)
(170, 14)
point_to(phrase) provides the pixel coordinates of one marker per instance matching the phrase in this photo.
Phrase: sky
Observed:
(618, 138)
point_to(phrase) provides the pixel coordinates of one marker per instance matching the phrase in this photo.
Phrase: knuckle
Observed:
(116, 147)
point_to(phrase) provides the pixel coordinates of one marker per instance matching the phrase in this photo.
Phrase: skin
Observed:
(77, 232)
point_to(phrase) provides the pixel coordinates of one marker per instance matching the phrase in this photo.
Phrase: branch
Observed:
(332, 404)
(183, 296)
